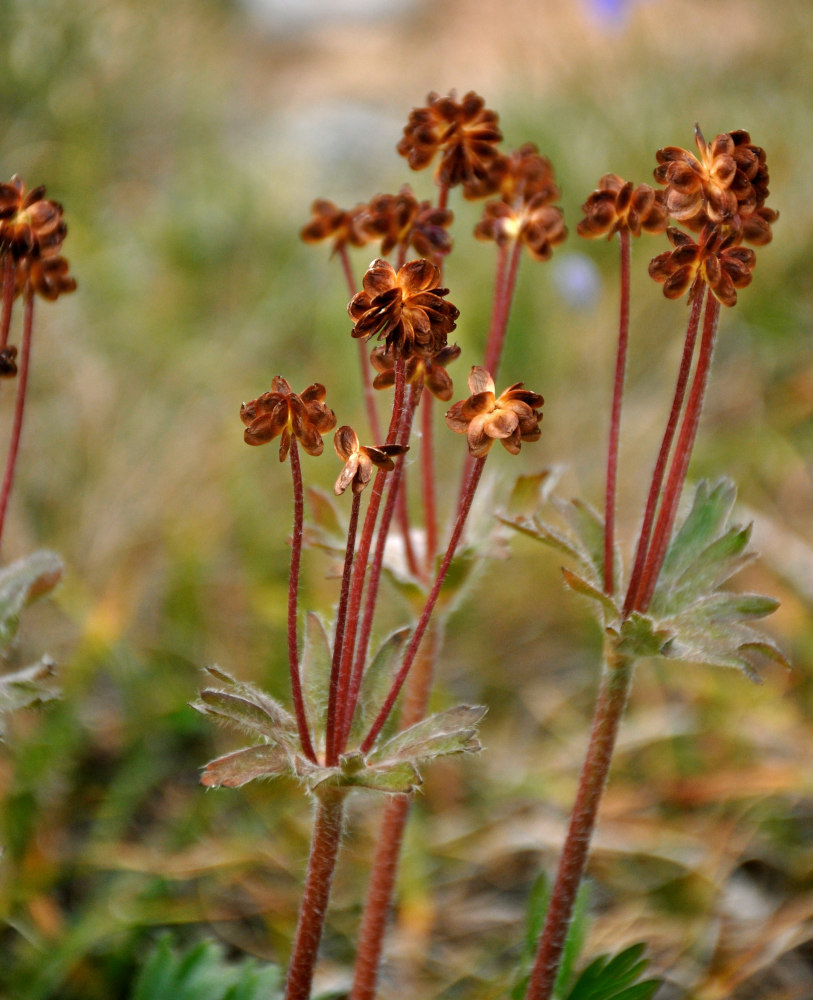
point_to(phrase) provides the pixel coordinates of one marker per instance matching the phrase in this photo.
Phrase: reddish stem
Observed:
(8, 298)
(645, 534)
(680, 460)
(331, 757)
(374, 579)
(19, 407)
(327, 835)
(503, 296)
(612, 699)
(293, 604)
(388, 844)
(431, 600)
(430, 513)
(615, 418)
(363, 554)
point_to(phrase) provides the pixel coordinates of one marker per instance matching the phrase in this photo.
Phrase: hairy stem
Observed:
(19, 407)
(503, 296)
(615, 416)
(644, 537)
(430, 512)
(366, 377)
(612, 699)
(429, 607)
(384, 872)
(8, 298)
(293, 604)
(327, 834)
(331, 756)
(662, 531)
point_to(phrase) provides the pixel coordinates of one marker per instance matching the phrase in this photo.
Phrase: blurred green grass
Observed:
(186, 142)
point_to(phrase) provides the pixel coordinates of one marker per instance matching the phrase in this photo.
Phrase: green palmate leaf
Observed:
(315, 668)
(377, 680)
(235, 769)
(449, 732)
(637, 636)
(22, 582)
(247, 709)
(26, 688)
(707, 518)
(616, 978)
(401, 777)
(203, 973)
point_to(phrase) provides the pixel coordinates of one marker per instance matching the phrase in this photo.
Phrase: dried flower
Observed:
(47, 276)
(30, 225)
(464, 132)
(526, 175)
(536, 224)
(727, 181)
(359, 459)
(617, 205)
(329, 222)
(282, 412)
(716, 260)
(430, 372)
(401, 220)
(510, 418)
(405, 308)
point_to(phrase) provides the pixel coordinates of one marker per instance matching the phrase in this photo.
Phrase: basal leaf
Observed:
(249, 710)
(26, 688)
(616, 978)
(452, 731)
(588, 527)
(401, 778)
(22, 582)
(237, 768)
(711, 507)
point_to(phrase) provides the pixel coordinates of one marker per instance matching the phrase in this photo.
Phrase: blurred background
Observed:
(186, 141)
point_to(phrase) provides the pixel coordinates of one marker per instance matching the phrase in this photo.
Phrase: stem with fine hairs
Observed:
(325, 841)
(19, 407)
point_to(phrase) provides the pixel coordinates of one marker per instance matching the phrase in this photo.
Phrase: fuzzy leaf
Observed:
(452, 731)
(249, 711)
(22, 582)
(586, 589)
(530, 492)
(315, 668)
(553, 537)
(401, 778)
(638, 636)
(709, 513)
(26, 688)
(588, 527)
(235, 769)
(377, 680)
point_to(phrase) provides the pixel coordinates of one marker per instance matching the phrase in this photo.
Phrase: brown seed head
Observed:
(282, 412)
(430, 372)
(401, 220)
(617, 205)
(331, 223)
(484, 418)
(464, 132)
(48, 276)
(725, 184)
(359, 459)
(526, 175)
(31, 226)
(404, 308)
(716, 260)
(538, 225)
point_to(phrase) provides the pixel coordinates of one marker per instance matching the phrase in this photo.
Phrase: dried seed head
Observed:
(726, 184)
(430, 372)
(401, 220)
(31, 226)
(331, 223)
(617, 205)
(484, 418)
(281, 412)
(406, 309)
(717, 259)
(359, 460)
(538, 225)
(464, 132)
